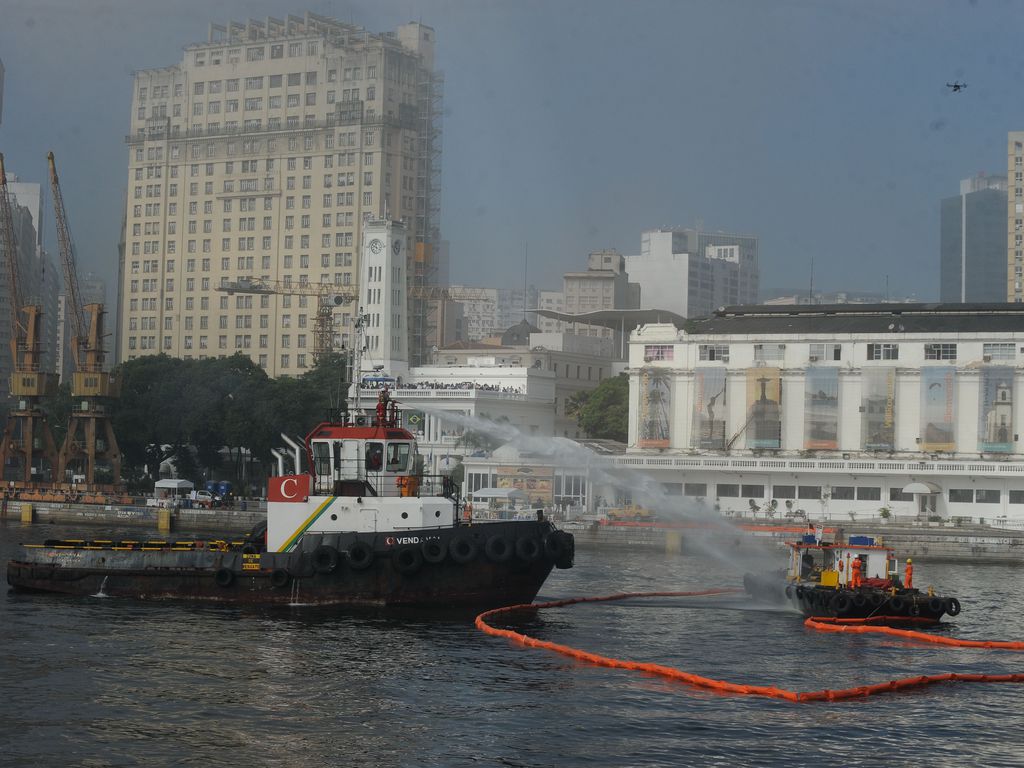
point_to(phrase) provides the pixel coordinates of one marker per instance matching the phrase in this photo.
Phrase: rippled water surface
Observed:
(105, 682)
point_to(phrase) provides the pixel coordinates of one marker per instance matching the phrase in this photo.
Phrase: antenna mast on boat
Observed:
(357, 366)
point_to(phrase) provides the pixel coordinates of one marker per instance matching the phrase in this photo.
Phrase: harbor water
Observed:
(110, 682)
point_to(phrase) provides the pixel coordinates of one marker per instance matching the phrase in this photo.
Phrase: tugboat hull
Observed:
(845, 603)
(478, 565)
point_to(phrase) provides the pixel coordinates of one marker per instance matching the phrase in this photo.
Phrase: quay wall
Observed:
(927, 542)
(228, 521)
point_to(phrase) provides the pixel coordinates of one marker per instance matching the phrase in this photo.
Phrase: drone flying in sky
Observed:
(956, 86)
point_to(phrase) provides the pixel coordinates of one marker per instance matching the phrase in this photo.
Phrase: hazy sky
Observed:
(824, 128)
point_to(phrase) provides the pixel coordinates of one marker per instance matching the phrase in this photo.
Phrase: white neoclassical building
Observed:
(842, 411)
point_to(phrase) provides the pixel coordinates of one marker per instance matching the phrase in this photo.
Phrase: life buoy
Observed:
(280, 578)
(498, 549)
(789, 591)
(936, 605)
(407, 560)
(897, 604)
(800, 592)
(434, 551)
(224, 577)
(876, 600)
(325, 559)
(360, 555)
(462, 549)
(858, 600)
(841, 603)
(952, 606)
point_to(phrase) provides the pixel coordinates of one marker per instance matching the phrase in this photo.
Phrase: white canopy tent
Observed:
(178, 487)
(506, 495)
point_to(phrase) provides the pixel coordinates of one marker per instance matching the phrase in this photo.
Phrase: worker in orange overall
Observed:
(855, 567)
(908, 575)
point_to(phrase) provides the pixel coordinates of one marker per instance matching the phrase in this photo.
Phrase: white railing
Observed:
(829, 466)
(408, 395)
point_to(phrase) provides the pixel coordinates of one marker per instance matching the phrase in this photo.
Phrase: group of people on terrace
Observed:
(443, 385)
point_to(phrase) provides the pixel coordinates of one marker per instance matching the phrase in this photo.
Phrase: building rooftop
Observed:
(861, 318)
(615, 319)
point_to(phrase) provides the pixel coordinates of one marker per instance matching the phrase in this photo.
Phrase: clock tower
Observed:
(383, 299)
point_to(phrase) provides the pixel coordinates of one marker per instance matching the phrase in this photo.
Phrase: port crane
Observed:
(90, 440)
(328, 298)
(28, 454)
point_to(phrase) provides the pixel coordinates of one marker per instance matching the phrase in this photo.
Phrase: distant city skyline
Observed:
(824, 129)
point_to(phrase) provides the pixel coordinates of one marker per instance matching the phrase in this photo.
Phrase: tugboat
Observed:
(858, 579)
(360, 526)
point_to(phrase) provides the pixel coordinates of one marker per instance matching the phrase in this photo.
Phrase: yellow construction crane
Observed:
(90, 440)
(328, 298)
(27, 449)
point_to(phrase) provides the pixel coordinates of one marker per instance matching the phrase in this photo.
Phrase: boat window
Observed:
(398, 457)
(374, 457)
(811, 562)
(322, 457)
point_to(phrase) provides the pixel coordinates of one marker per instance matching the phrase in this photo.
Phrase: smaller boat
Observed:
(825, 579)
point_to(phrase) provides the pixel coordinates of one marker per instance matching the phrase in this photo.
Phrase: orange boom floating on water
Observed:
(829, 624)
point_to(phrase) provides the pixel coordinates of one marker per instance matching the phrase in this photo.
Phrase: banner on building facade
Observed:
(655, 409)
(821, 408)
(878, 409)
(709, 409)
(764, 408)
(995, 410)
(938, 408)
(535, 482)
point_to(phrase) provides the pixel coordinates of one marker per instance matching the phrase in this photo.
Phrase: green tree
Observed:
(603, 412)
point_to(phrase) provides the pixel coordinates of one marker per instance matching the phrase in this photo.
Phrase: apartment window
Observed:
(986, 496)
(940, 351)
(752, 491)
(999, 351)
(961, 495)
(718, 352)
(769, 352)
(1017, 497)
(897, 494)
(727, 490)
(784, 491)
(844, 492)
(869, 493)
(808, 492)
(695, 489)
(883, 351)
(658, 352)
(825, 352)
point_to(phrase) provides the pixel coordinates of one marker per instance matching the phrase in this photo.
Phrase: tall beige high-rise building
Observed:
(1015, 217)
(260, 155)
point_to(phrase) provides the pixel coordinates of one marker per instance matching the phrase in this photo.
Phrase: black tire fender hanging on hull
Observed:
(325, 559)
(463, 549)
(407, 560)
(360, 556)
